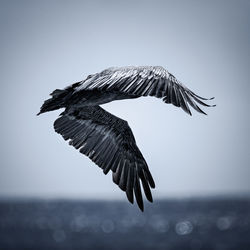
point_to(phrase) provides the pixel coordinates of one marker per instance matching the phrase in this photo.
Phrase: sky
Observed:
(46, 45)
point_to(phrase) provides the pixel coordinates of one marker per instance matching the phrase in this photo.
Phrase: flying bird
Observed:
(106, 139)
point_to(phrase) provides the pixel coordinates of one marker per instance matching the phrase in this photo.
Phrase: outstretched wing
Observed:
(143, 81)
(109, 142)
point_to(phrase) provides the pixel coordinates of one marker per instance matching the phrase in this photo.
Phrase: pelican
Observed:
(106, 139)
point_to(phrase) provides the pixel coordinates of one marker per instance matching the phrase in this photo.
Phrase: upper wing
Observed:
(144, 81)
(109, 142)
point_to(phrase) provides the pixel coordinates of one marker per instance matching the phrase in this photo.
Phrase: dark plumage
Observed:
(106, 139)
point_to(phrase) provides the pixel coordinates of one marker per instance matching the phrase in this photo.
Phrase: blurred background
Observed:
(200, 164)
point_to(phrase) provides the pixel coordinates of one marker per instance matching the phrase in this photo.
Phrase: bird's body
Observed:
(106, 139)
(95, 97)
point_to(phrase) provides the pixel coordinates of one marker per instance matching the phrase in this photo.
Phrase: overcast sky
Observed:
(50, 44)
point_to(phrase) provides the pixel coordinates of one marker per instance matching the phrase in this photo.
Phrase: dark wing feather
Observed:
(145, 81)
(109, 142)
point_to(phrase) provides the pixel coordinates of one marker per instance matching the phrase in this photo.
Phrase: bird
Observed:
(107, 139)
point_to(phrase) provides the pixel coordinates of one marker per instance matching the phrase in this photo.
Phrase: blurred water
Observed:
(165, 224)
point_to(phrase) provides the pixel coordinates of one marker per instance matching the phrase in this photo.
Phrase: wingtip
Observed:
(39, 113)
(213, 105)
(130, 198)
(151, 199)
(152, 182)
(131, 201)
(141, 208)
(203, 98)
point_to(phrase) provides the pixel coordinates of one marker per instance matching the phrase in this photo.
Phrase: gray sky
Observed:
(50, 44)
